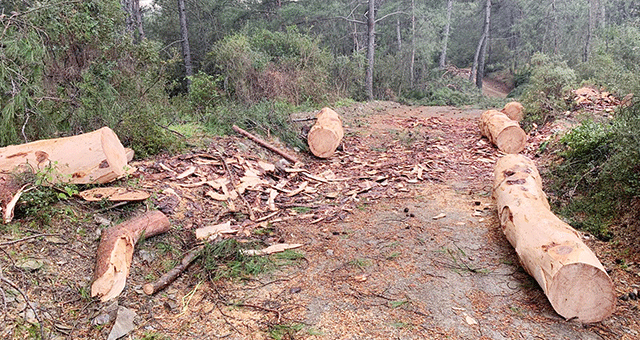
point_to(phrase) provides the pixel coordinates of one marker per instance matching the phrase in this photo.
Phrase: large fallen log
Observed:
(326, 134)
(115, 252)
(514, 110)
(503, 132)
(94, 157)
(569, 273)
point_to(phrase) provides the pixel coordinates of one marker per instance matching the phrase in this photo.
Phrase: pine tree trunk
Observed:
(445, 38)
(398, 35)
(483, 46)
(371, 45)
(413, 42)
(184, 35)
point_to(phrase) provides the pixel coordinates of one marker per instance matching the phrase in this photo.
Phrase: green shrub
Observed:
(600, 172)
(283, 66)
(545, 95)
(69, 68)
(267, 118)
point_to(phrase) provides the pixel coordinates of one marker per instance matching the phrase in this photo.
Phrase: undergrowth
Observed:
(599, 175)
(227, 260)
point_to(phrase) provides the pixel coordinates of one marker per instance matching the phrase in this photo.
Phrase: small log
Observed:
(569, 273)
(326, 134)
(172, 275)
(503, 132)
(115, 252)
(94, 157)
(264, 144)
(514, 110)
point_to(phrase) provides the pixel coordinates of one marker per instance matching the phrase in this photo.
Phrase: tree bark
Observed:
(94, 157)
(184, 36)
(115, 252)
(398, 35)
(445, 38)
(571, 276)
(371, 45)
(325, 136)
(172, 275)
(413, 43)
(503, 132)
(483, 48)
(264, 144)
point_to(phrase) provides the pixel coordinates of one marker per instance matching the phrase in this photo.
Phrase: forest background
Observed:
(164, 71)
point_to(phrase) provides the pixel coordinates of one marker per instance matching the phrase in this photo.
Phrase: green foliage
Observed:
(226, 259)
(600, 174)
(445, 89)
(615, 62)
(288, 66)
(285, 331)
(267, 117)
(68, 68)
(544, 96)
(40, 200)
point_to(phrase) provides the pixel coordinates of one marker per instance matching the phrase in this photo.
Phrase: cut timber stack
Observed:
(95, 157)
(503, 132)
(514, 110)
(326, 134)
(569, 273)
(115, 252)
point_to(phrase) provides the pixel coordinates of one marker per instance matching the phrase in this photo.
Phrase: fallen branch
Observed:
(265, 144)
(115, 252)
(172, 275)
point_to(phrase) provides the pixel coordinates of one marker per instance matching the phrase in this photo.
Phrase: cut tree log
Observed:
(115, 252)
(326, 134)
(503, 132)
(569, 273)
(94, 157)
(514, 110)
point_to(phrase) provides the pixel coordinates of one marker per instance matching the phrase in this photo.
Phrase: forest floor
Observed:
(400, 240)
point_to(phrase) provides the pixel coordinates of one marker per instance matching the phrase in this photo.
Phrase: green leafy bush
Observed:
(600, 172)
(69, 68)
(544, 96)
(283, 66)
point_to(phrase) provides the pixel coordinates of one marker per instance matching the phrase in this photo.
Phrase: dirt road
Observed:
(415, 252)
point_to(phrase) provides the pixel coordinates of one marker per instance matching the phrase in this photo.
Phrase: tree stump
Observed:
(94, 157)
(503, 132)
(514, 110)
(326, 134)
(569, 273)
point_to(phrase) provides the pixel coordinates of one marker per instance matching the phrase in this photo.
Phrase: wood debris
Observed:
(114, 194)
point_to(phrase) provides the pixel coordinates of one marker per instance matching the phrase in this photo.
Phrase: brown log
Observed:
(503, 132)
(94, 157)
(170, 276)
(265, 144)
(326, 134)
(115, 252)
(569, 273)
(514, 110)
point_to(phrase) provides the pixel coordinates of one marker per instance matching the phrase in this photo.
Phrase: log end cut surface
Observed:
(511, 140)
(325, 142)
(582, 291)
(514, 110)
